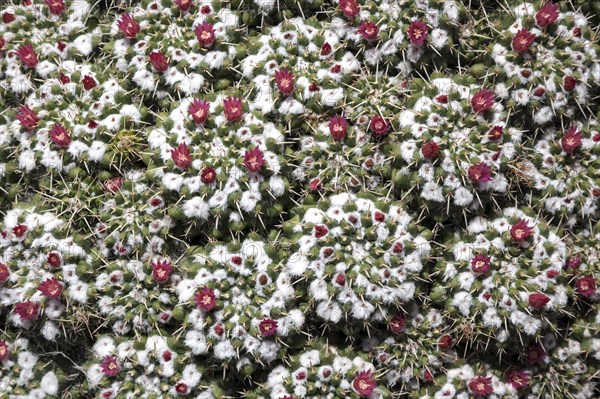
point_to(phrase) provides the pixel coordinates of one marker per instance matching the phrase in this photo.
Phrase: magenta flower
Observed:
(4, 350)
(161, 271)
(569, 83)
(181, 156)
(536, 354)
(232, 107)
(4, 273)
(571, 140)
(51, 288)
(88, 82)
(522, 40)
(350, 8)
(54, 260)
(253, 159)
(586, 286)
(520, 231)
(417, 32)
(114, 184)
(205, 33)
(27, 55)
(379, 125)
(60, 136)
(338, 127)
(482, 101)
(128, 26)
(27, 310)
(368, 30)
(538, 300)
(199, 110)
(495, 133)
(321, 231)
(481, 386)
(56, 6)
(28, 118)
(480, 173)
(480, 263)
(110, 366)
(267, 327)
(208, 175)
(184, 5)
(397, 324)
(547, 15)
(159, 61)
(364, 383)
(518, 379)
(206, 299)
(285, 81)
(430, 150)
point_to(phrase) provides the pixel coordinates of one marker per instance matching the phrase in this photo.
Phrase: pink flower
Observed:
(397, 324)
(350, 8)
(181, 156)
(8, 17)
(232, 107)
(535, 354)
(128, 26)
(547, 15)
(368, 30)
(480, 263)
(338, 127)
(56, 6)
(586, 286)
(325, 49)
(315, 184)
(88, 82)
(159, 61)
(54, 260)
(482, 101)
(569, 83)
(495, 133)
(27, 310)
(538, 300)
(208, 175)
(481, 386)
(430, 150)
(199, 110)
(253, 159)
(4, 350)
(445, 342)
(20, 230)
(205, 33)
(110, 366)
(417, 32)
(161, 271)
(181, 388)
(480, 173)
(267, 327)
(27, 55)
(518, 379)
(522, 40)
(571, 140)
(379, 125)
(321, 231)
(285, 81)
(64, 79)
(573, 263)
(59, 136)
(114, 184)
(206, 299)
(364, 383)
(520, 231)
(51, 287)
(28, 118)
(184, 5)
(4, 273)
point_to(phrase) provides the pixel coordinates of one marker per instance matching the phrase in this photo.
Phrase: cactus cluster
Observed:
(299, 199)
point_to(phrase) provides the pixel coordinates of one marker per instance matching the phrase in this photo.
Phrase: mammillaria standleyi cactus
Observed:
(358, 199)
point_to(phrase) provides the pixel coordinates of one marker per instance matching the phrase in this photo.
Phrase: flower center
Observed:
(417, 33)
(205, 35)
(206, 300)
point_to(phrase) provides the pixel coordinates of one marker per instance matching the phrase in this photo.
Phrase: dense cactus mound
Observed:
(299, 199)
